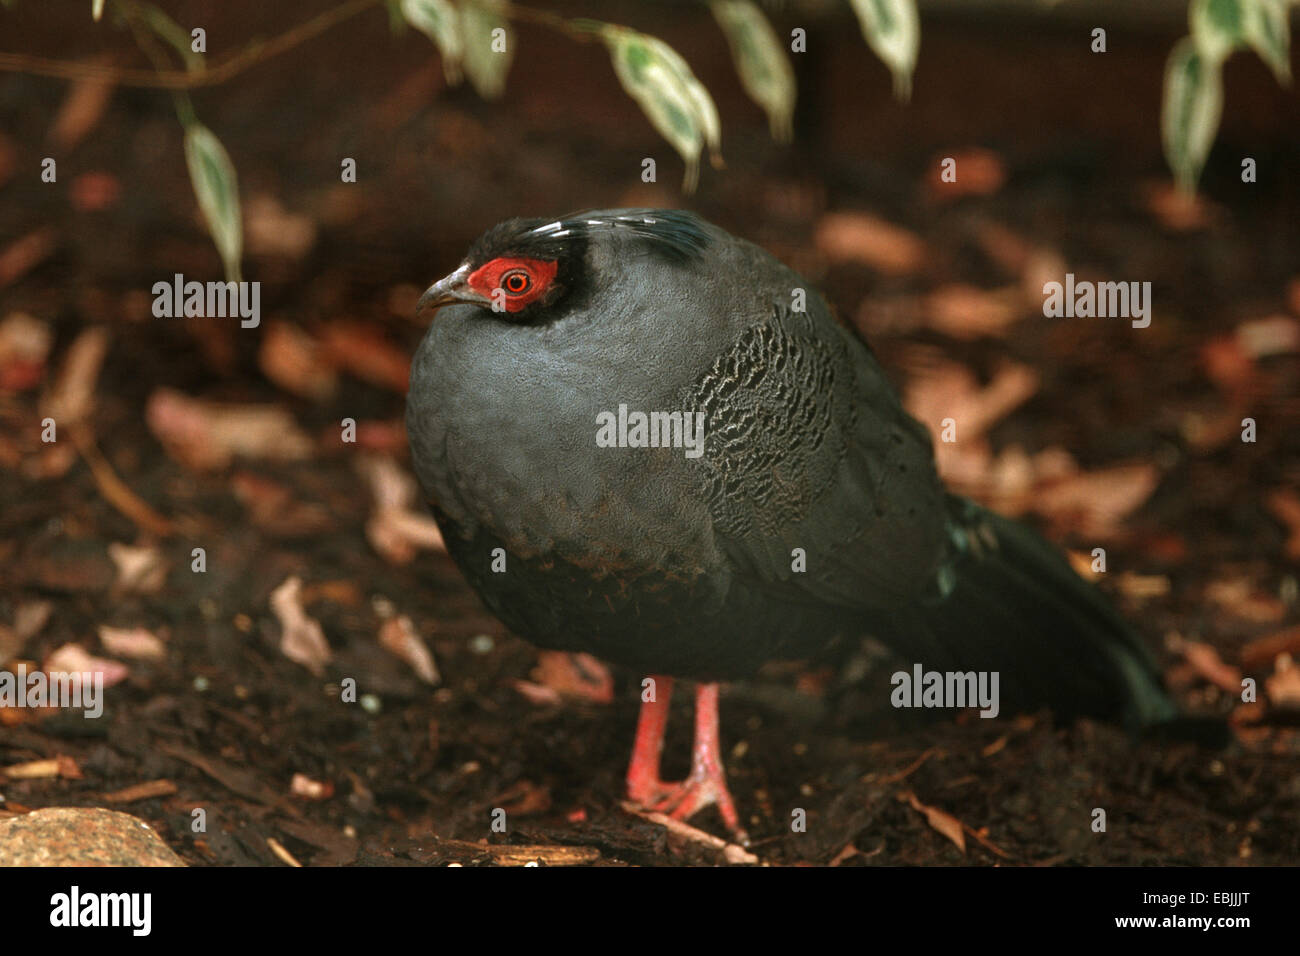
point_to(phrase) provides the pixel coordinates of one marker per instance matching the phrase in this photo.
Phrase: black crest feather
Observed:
(674, 234)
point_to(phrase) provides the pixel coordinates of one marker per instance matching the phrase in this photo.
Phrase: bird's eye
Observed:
(516, 282)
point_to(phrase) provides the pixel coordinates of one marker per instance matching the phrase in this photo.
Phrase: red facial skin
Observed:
(524, 281)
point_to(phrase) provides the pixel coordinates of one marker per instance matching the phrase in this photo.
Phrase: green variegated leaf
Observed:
(96, 9)
(705, 110)
(1268, 31)
(487, 52)
(1193, 104)
(439, 21)
(217, 190)
(662, 83)
(893, 30)
(761, 61)
(1218, 27)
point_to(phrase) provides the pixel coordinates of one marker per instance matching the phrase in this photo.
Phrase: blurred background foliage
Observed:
(475, 40)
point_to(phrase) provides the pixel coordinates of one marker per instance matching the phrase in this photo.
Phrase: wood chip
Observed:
(141, 791)
(515, 855)
(731, 852)
(281, 853)
(59, 766)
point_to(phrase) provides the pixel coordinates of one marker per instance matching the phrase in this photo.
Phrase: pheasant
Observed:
(552, 408)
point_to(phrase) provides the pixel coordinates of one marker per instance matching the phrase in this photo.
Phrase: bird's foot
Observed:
(707, 784)
(703, 788)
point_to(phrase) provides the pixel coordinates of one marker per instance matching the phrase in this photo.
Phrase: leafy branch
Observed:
(475, 39)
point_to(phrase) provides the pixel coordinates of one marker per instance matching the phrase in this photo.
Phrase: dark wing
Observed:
(808, 448)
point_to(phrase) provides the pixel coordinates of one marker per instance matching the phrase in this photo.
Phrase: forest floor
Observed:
(177, 435)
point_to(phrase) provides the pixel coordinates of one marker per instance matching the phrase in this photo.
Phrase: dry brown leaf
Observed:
(292, 359)
(1034, 264)
(968, 312)
(1284, 503)
(272, 507)
(523, 799)
(271, 230)
(996, 747)
(1205, 660)
(75, 659)
(978, 172)
(1283, 687)
(134, 642)
(1211, 429)
(26, 253)
(1096, 502)
(301, 638)
(31, 617)
(576, 676)
(1269, 336)
(866, 239)
(939, 820)
(394, 528)
(1263, 651)
(1240, 596)
(81, 110)
(94, 191)
(72, 398)
(1229, 366)
(362, 350)
(140, 570)
(536, 694)
(1141, 587)
(206, 435)
(24, 346)
(398, 635)
(950, 390)
(847, 853)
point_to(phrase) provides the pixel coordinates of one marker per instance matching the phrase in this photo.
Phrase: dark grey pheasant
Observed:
(686, 567)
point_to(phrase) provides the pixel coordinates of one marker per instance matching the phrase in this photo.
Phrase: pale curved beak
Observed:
(451, 288)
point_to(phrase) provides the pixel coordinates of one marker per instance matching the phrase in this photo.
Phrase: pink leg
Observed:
(643, 783)
(707, 783)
